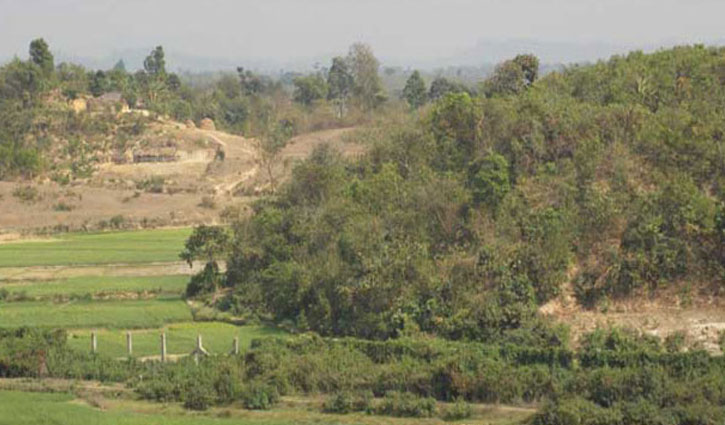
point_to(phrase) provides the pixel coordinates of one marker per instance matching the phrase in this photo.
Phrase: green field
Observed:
(133, 314)
(142, 246)
(180, 338)
(93, 285)
(146, 318)
(21, 408)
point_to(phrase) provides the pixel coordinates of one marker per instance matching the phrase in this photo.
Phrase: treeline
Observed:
(38, 125)
(464, 219)
(615, 378)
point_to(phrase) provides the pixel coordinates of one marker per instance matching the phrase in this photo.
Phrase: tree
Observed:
(41, 56)
(507, 79)
(120, 66)
(99, 83)
(209, 244)
(529, 65)
(513, 76)
(309, 89)
(340, 83)
(173, 82)
(274, 135)
(415, 92)
(488, 179)
(367, 85)
(155, 62)
(441, 87)
(251, 83)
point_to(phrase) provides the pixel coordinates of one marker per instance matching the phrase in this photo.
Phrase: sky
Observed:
(401, 32)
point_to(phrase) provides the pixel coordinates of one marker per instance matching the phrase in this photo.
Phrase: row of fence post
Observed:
(198, 351)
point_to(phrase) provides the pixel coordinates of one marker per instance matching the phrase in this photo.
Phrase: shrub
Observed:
(198, 397)
(207, 202)
(62, 206)
(406, 405)
(153, 185)
(27, 194)
(259, 396)
(674, 343)
(347, 402)
(117, 221)
(457, 411)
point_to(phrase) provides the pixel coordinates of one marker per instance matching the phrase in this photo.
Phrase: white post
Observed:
(129, 343)
(163, 347)
(94, 343)
(236, 346)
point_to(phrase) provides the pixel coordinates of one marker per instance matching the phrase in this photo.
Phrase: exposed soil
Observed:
(213, 170)
(700, 318)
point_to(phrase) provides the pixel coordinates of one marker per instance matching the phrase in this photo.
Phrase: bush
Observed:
(62, 206)
(406, 405)
(457, 411)
(27, 194)
(198, 397)
(348, 402)
(259, 396)
(207, 202)
(577, 411)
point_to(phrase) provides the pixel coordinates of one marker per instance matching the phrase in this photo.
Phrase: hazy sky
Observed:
(399, 30)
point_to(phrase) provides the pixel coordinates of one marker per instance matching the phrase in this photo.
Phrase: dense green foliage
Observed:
(616, 378)
(465, 220)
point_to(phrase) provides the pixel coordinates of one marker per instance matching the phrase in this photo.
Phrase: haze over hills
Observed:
(485, 53)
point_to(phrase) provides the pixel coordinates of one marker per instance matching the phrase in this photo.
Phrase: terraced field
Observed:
(146, 246)
(110, 284)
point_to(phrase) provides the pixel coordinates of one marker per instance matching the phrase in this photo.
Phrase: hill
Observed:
(588, 188)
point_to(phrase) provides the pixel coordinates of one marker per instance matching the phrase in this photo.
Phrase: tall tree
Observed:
(155, 62)
(309, 88)
(41, 56)
(513, 76)
(120, 66)
(251, 83)
(274, 134)
(529, 65)
(415, 92)
(440, 87)
(340, 83)
(99, 83)
(364, 66)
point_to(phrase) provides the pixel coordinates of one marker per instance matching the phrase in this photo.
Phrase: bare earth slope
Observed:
(212, 169)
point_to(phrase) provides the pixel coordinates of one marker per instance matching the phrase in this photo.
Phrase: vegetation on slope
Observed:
(463, 220)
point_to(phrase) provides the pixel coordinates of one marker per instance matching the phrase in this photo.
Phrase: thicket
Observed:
(464, 219)
(616, 377)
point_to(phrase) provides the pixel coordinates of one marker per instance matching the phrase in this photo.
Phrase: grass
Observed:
(93, 285)
(137, 314)
(19, 408)
(23, 408)
(180, 338)
(143, 246)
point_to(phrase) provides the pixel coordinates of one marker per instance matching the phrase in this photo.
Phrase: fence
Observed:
(198, 351)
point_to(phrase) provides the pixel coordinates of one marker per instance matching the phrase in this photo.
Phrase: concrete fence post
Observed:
(163, 347)
(94, 343)
(129, 343)
(199, 350)
(235, 346)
